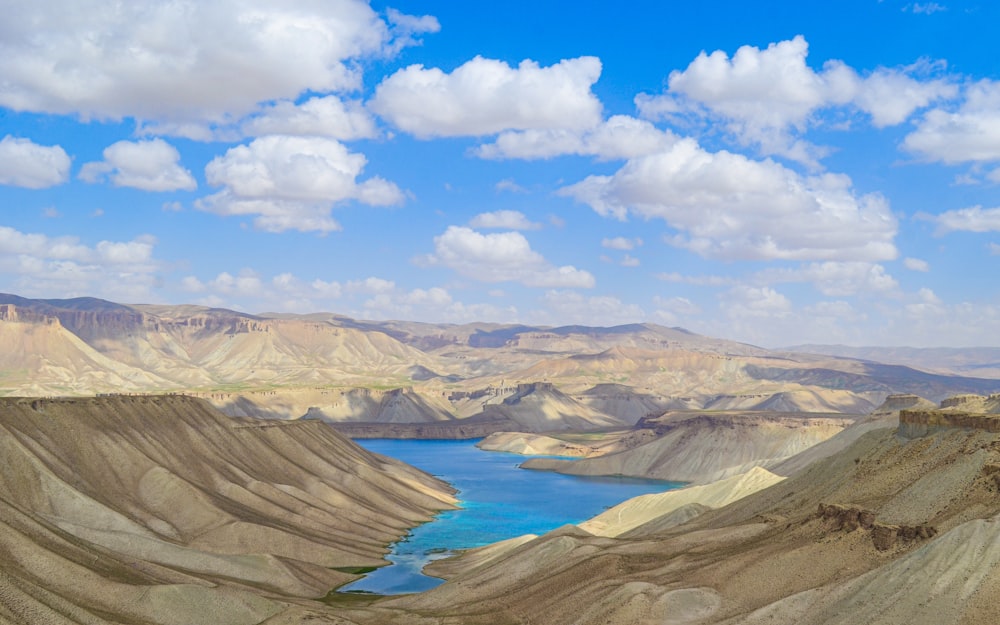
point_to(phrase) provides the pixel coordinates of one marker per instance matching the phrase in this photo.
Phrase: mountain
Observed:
(982, 362)
(334, 368)
(163, 510)
(705, 447)
(890, 529)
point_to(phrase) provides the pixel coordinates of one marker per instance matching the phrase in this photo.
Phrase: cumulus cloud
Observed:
(326, 116)
(764, 96)
(185, 62)
(501, 257)
(727, 206)
(368, 298)
(406, 28)
(621, 243)
(291, 183)
(711, 281)
(149, 165)
(760, 302)
(836, 278)
(916, 264)
(371, 286)
(619, 137)
(571, 307)
(508, 184)
(504, 220)
(24, 163)
(969, 134)
(485, 96)
(972, 219)
(674, 310)
(42, 265)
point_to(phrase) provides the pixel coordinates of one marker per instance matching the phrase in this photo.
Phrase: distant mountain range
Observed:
(331, 367)
(981, 362)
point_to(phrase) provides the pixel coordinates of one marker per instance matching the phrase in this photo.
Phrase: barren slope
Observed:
(162, 510)
(911, 540)
(707, 447)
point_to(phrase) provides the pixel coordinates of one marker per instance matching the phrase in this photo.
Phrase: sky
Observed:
(770, 172)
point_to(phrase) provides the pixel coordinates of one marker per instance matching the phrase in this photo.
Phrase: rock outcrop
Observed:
(918, 423)
(884, 537)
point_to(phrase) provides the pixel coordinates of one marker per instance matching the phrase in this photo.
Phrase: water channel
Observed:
(498, 500)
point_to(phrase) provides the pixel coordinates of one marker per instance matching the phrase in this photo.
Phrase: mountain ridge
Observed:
(287, 366)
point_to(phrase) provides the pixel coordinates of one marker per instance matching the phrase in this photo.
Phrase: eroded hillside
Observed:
(890, 529)
(163, 510)
(343, 370)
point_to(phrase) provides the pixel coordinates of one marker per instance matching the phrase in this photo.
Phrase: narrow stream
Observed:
(498, 500)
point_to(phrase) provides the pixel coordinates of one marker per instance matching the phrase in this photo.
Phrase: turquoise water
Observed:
(498, 500)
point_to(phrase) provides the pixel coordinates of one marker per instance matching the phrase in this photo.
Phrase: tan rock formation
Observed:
(162, 510)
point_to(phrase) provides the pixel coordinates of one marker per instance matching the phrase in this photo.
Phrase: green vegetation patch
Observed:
(354, 570)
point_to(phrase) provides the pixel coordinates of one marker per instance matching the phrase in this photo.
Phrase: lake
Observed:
(498, 500)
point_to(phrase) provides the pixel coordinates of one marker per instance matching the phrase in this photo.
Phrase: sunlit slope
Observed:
(707, 447)
(624, 373)
(336, 405)
(162, 510)
(542, 407)
(906, 534)
(47, 359)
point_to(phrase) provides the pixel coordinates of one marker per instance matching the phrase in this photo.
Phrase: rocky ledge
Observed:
(884, 537)
(917, 423)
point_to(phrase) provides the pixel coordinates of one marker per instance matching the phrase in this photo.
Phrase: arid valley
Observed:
(396, 312)
(193, 465)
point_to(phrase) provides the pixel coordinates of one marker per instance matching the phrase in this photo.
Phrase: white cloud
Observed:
(370, 286)
(185, 62)
(38, 265)
(891, 96)
(927, 8)
(24, 163)
(916, 264)
(621, 243)
(327, 116)
(731, 207)
(674, 310)
(713, 281)
(764, 96)
(969, 134)
(484, 96)
(972, 219)
(508, 184)
(148, 165)
(759, 302)
(836, 278)
(246, 283)
(434, 304)
(505, 220)
(619, 137)
(501, 257)
(564, 307)
(630, 261)
(292, 183)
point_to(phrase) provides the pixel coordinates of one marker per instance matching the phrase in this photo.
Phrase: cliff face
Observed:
(918, 423)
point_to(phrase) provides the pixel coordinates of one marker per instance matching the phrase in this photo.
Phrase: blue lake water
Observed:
(498, 500)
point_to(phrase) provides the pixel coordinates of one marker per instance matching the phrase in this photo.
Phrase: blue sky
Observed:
(771, 172)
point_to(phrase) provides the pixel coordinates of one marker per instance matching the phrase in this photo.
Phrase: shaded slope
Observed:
(162, 510)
